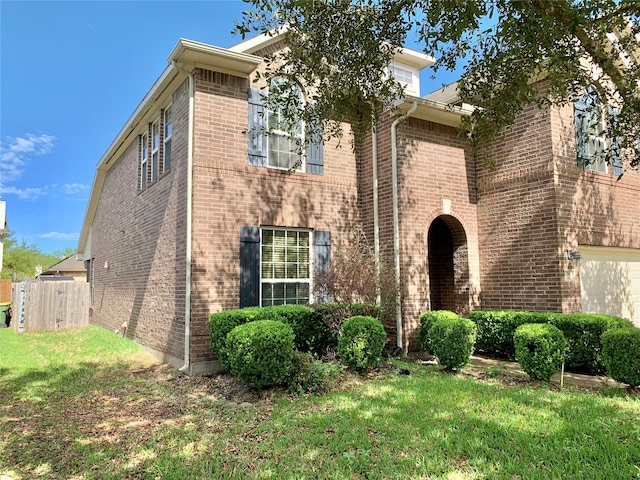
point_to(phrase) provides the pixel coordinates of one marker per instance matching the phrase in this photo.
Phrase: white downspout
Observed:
(376, 215)
(396, 221)
(187, 300)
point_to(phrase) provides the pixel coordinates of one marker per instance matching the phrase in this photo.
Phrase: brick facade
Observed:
(486, 232)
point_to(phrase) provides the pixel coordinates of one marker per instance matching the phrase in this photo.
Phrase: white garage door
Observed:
(610, 281)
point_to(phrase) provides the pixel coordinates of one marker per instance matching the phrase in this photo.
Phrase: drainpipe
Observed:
(376, 216)
(187, 300)
(396, 222)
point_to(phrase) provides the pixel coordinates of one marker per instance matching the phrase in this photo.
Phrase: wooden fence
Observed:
(49, 305)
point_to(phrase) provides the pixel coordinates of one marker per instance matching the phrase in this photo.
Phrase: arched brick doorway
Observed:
(448, 265)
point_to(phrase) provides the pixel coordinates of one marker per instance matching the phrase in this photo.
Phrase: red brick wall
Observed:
(141, 235)
(228, 194)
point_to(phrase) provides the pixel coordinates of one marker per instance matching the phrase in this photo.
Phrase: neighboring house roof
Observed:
(65, 266)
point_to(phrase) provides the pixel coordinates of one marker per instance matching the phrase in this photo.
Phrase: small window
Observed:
(285, 267)
(285, 138)
(403, 75)
(155, 150)
(168, 131)
(144, 160)
(591, 141)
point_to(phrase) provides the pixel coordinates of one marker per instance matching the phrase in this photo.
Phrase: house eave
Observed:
(437, 112)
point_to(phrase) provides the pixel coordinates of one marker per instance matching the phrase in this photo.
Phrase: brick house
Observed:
(193, 211)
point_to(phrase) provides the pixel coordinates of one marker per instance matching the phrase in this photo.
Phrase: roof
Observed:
(66, 265)
(185, 56)
(448, 94)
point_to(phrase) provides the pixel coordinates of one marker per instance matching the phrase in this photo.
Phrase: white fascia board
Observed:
(414, 58)
(437, 112)
(259, 42)
(196, 54)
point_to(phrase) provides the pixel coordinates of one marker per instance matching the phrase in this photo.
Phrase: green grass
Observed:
(86, 404)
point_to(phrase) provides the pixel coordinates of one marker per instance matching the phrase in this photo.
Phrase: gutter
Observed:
(188, 254)
(376, 214)
(396, 221)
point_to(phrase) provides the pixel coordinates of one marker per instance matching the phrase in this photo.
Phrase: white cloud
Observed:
(24, 193)
(72, 188)
(15, 153)
(60, 236)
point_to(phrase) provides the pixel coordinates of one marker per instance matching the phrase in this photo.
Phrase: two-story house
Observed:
(193, 209)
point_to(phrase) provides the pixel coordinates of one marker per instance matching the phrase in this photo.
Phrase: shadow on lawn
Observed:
(91, 421)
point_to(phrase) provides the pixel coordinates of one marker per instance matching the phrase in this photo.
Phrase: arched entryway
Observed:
(448, 265)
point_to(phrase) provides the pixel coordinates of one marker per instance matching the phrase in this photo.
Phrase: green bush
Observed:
(312, 376)
(311, 334)
(261, 352)
(496, 329)
(452, 341)
(621, 354)
(220, 324)
(583, 332)
(334, 314)
(361, 342)
(427, 320)
(540, 349)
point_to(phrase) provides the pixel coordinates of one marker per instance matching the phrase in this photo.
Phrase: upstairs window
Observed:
(403, 75)
(590, 124)
(285, 134)
(168, 131)
(144, 160)
(155, 150)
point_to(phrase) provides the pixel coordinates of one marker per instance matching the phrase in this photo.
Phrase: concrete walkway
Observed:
(576, 379)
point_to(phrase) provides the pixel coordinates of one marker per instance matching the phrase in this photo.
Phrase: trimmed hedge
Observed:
(621, 354)
(496, 329)
(334, 314)
(540, 349)
(581, 330)
(361, 342)
(427, 320)
(452, 341)
(220, 324)
(261, 352)
(311, 334)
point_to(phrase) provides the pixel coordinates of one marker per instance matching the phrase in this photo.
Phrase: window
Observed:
(168, 131)
(155, 150)
(285, 137)
(144, 160)
(590, 124)
(275, 264)
(275, 149)
(285, 267)
(403, 75)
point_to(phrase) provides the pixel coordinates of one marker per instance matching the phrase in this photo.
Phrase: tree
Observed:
(515, 52)
(21, 259)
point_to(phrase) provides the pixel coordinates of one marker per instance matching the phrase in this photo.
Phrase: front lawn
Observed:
(86, 404)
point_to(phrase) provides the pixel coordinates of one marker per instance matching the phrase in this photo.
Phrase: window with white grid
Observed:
(285, 266)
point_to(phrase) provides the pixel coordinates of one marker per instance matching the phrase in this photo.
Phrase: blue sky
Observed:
(71, 74)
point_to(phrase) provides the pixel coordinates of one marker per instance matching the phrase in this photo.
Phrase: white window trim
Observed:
(166, 139)
(144, 154)
(309, 281)
(593, 139)
(302, 167)
(155, 150)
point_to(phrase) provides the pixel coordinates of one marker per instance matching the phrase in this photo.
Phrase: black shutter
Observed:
(315, 150)
(322, 247)
(249, 266)
(616, 150)
(256, 129)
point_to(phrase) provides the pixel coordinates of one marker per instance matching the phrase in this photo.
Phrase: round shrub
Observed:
(427, 320)
(361, 342)
(261, 352)
(452, 341)
(221, 323)
(540, 349)
(621, 354)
